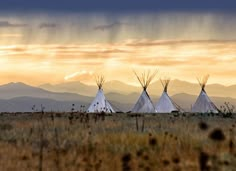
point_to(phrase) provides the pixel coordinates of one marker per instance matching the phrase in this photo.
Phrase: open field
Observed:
(74, 141)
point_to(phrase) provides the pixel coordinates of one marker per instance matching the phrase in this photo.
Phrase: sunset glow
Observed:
(74, 47)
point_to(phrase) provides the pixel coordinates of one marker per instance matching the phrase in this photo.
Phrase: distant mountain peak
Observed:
(46, 84)
(15, 84)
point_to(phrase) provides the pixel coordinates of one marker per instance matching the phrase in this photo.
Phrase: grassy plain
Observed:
(65, 141)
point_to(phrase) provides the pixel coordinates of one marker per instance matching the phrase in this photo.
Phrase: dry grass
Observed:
(76, 142)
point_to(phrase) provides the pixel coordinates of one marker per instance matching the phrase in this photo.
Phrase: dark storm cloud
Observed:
(8, 24)
(47, 25)
(108, 26)
(112, 29)
(114, 5)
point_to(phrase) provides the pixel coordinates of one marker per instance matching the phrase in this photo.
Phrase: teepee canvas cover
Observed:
(203, 103)
(100, 104)
(165, 104)
(144, 103)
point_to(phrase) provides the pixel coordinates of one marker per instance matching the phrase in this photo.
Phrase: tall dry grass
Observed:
(56, 141)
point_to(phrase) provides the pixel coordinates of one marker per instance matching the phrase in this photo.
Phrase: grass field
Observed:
(57, 141)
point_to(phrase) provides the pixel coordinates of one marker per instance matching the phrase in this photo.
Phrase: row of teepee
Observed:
(144, 104)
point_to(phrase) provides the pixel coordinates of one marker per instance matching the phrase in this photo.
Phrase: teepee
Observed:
(203, 103)
(144, 103)
(100, 104)
(165, 104)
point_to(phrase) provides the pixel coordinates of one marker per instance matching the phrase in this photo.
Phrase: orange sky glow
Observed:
(53, 50)
(36, 64)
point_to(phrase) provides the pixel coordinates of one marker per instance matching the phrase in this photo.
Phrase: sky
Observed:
(72, 40)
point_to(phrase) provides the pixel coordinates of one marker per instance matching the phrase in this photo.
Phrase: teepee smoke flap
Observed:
(144, 103)
(203, 103)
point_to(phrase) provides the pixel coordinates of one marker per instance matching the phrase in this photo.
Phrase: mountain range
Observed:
(175, 87)
(20, 97)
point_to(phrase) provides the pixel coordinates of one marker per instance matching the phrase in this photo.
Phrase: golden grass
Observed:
(166, 143)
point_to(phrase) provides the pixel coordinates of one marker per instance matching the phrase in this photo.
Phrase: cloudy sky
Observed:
(48, 42)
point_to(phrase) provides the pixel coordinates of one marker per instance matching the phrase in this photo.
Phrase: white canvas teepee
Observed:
(144, 103)
(203, 103)
(100, 104)
(165, 104)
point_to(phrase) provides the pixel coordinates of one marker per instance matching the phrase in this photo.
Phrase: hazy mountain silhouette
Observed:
(71, 87)
(175, 87)
(19, 97)
(12, 90)
(88, 90)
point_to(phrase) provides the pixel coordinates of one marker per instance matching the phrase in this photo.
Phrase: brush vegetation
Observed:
(79, 141)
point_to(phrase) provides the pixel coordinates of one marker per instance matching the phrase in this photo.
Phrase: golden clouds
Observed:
(55, 63)
(80, 75)
(17, 35)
